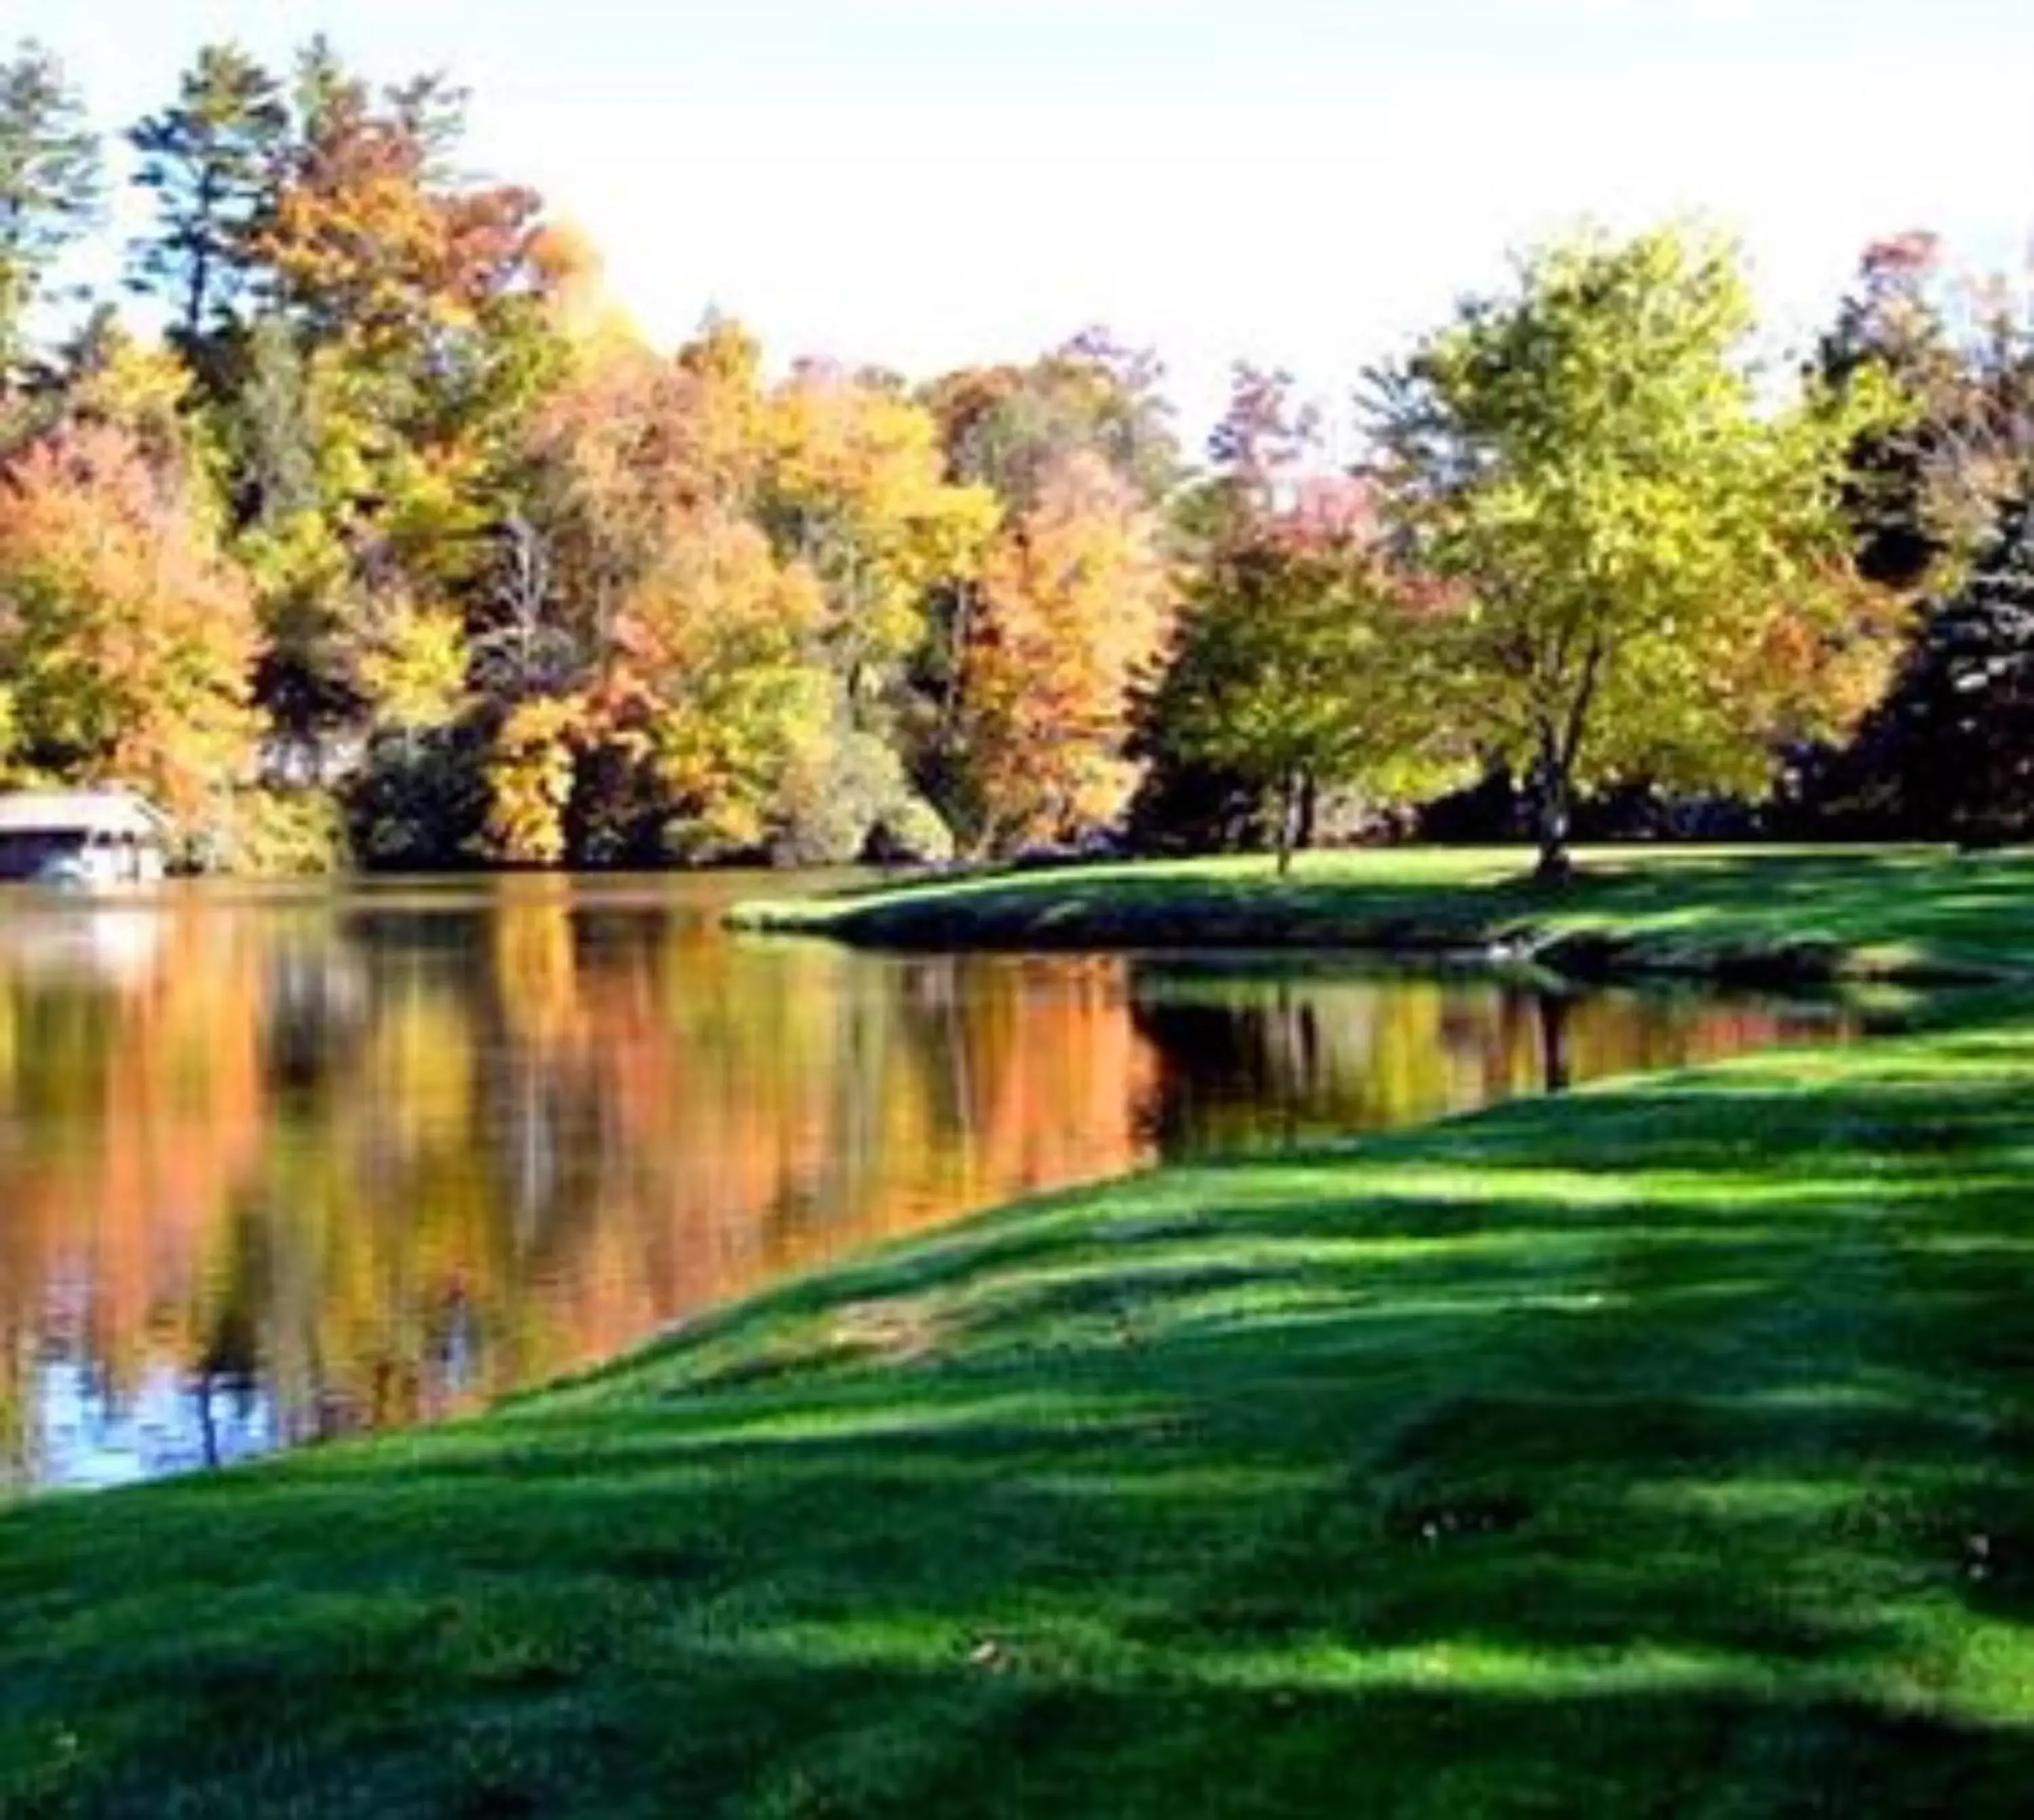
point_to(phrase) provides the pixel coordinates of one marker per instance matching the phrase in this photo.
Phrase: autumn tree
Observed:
(1076, 599)
(210, 161)
(731, 577)
(1650, 564)
(127, 638)
(1298, 672)
(855, 490)
(1191, 796)
(630, 452)
(49, 185)
(390, 339)
(720, 692)
(665, 664)
(418, 300)
(530, 778)
(1010, 428)
(1086, 422)
(370, 236)
(1267, 438)
(1924, 483)
(1940, 498)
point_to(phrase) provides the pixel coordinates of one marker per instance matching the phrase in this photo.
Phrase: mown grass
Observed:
(1780, 913)
(1668, 1448)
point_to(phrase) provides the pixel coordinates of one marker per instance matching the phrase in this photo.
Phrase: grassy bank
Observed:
(1782, 913)
(1665, 1449)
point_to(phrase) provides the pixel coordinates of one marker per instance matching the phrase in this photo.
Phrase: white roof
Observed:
(115, 812)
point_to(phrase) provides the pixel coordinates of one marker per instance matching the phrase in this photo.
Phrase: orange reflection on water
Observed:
(278, 1165)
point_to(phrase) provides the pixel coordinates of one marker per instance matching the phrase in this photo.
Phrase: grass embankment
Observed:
(1668, 1448)
(1785, 914)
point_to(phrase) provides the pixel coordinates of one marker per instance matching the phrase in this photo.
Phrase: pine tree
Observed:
(49, 185)
(1955, 738)
(210, 161)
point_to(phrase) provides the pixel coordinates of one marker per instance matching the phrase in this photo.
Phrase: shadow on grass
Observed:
(1668, 1448)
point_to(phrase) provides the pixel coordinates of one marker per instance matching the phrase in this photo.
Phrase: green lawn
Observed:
(1784, 912)
(1666, 1449)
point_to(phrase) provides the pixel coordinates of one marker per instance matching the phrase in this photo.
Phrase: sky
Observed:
(923, 183)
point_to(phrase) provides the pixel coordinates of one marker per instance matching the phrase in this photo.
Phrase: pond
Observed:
(281, 1164)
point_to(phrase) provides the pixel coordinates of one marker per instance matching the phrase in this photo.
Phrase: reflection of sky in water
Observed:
(386, 1152)
(90, 1439)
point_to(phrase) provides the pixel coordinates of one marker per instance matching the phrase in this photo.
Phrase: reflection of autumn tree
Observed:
(773, 1106)
(584, 1122)
(394, 1154)
(1037, 1060)
(130, 1084)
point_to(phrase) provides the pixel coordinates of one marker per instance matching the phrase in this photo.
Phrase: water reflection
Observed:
(276, 1165)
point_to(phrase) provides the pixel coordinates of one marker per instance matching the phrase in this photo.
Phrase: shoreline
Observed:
(1539, 1447)
(1379, 903)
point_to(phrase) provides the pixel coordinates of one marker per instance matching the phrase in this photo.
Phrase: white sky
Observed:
(925, 182)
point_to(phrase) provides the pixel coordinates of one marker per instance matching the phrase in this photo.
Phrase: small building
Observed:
(81, 838)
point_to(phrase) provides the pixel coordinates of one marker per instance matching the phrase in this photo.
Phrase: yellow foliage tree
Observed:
(718, 687)
(857, 490)
(529, 780)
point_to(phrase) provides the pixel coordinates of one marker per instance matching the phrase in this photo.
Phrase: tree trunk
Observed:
(200, 267)
(1288, 804)
(1309, 810)
(1552, 797)
(1560, 746)
(956, 683)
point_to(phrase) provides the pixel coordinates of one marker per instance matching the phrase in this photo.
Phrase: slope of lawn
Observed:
(1665, 1449)
(1777, 913)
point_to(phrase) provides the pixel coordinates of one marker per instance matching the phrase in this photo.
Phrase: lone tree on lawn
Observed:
(1650, 562)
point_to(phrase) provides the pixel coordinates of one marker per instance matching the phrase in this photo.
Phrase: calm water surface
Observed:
(276, 1164)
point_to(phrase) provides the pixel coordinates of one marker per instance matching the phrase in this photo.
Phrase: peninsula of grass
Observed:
(1782, 915)
(1666, 1448)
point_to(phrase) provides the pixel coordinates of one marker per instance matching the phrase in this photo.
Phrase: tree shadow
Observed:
(1666, 1448)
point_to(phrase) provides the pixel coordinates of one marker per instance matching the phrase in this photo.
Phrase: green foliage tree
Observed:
(1301, 665)
(1646, 565)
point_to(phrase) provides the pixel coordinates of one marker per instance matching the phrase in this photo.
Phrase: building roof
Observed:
(108, 811)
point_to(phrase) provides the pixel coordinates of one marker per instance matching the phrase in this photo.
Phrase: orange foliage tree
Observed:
(126, 637)
(363, 238)
(1076, 600)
